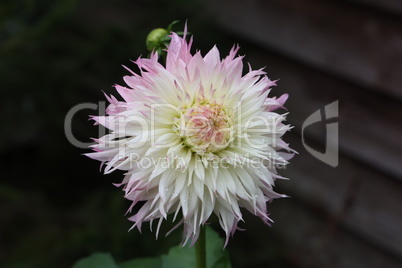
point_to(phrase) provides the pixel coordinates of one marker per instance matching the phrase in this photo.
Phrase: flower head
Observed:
(196, 138)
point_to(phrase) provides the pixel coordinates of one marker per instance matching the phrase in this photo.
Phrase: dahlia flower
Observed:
(196, 138)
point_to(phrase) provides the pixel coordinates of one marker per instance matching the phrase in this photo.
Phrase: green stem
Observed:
(200, 252)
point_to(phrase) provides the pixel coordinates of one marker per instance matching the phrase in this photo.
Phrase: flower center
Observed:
(205, 128)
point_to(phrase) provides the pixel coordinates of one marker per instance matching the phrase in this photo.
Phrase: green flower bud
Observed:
(157, 39)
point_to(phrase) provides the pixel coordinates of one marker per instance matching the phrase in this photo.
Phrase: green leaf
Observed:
(155, 262)
(96, 260)
(217, 257)
(177, 257)
(184, 257)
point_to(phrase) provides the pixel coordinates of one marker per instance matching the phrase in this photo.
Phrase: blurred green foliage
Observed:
(177, 257)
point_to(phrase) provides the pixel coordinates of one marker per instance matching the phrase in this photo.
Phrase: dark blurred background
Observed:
(56, 207)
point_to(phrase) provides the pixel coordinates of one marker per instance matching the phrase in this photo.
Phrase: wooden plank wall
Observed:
(324, 51)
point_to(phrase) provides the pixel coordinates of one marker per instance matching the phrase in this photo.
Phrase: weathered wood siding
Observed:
(324, 51)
